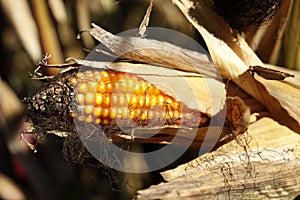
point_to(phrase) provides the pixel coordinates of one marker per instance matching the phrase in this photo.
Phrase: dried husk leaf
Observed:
(271, 94)
(155, 52)
(238, 170)
(265, 133)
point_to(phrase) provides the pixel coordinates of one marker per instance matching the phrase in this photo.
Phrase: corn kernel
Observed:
(101, 87)
(144, 115)
(98, 99)
(80, 99)
(97, 111)
(118, 100)
(88, 73)
(176, 114)
(89, 98)
(81, 118)
(160, 99)
(73, 81)
(153, 101)
(109, 88)
(105, 122)
(113, 113)
(133, 101)
(105, 113)
(82, 88)
(97, 121)
(115, 77)
(88, 109)
(79, 75)
(106, 101)
(105, 76)
(133, 114)
(92, 86)
(89, 119)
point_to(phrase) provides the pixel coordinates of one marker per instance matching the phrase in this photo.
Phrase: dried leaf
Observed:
(232, 56)
(155, 52)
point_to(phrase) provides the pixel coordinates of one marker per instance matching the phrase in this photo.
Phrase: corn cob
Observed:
(108, 97)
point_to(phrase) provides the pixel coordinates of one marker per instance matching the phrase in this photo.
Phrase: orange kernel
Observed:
(98, 99)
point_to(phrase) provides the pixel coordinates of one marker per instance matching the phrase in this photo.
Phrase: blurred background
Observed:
(30, 29)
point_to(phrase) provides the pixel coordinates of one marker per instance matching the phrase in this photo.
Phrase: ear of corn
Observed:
(109, 97)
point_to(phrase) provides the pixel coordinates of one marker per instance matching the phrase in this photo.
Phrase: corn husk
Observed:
(258, 169)
(232, 55)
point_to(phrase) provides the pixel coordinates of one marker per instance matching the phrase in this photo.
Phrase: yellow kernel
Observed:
(160, 99)
(82, 88)
(169, 100)
(144, 101)
(88, 110)
(118, 113)
(88, 73)
(101, 87)
(109, 88)
(153, 101)
(97, 75)
(97, 111)
(175, 105)
(79, 75)
(135, 113)
(144, 115)
(97, 121)
(73, 114)
(92, 86)
(113, 113)
(89, 119)
(80, 99)
(133, 101)
(122, 100)
(81, 118)
(147, 102)
(98, 99)
(89, 98)
(114, 100)
(106, 101)
(132, 114)
(105, 112)
(122, 86)
(105, 76)
(176, 114)
(122, 112)
(131, 84)
(153, 90)
(73, 81)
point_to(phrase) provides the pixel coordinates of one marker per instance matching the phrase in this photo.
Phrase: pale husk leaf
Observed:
(232, 61)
